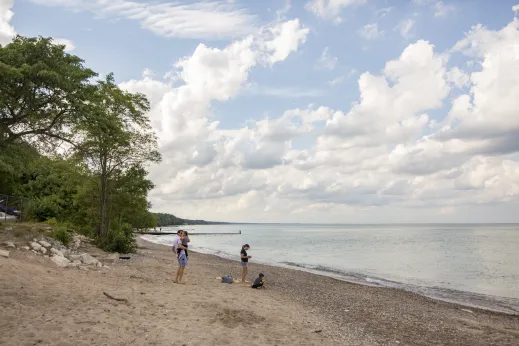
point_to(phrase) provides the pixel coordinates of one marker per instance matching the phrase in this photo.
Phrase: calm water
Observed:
(473, 264)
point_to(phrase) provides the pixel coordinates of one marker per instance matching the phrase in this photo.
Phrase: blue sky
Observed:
(339, 41)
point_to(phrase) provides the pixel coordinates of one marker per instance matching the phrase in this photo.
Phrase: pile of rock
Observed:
(63, 256)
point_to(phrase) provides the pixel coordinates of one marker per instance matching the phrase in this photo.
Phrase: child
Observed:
(244, 262)
(259, 282)
(185, 242)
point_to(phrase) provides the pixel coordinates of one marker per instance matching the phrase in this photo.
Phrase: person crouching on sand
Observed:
(259, 282)
(182, 259)
(244, 262)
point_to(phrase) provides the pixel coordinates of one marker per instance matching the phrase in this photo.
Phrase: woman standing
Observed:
(244, 262)
(182, 259)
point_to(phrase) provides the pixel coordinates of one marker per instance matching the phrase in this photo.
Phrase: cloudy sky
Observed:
(351, 111)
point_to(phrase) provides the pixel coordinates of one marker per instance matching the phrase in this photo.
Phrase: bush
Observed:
(62, 235)
(120, 239)
(44, 209)
(52, 222)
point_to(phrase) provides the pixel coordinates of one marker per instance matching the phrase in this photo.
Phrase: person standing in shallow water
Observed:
(244, 262)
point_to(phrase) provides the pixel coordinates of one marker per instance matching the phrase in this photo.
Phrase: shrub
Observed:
(52, 222)
(120, 239)
(44, 209)
(62, 235)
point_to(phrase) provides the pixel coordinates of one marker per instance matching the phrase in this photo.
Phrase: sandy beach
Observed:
(42, 304)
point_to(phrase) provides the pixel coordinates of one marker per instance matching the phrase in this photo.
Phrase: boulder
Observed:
(45, 244)
(26, 248)
(9, 244)
(57, 252)
(73, 265)
(75, 258)
(88, 260)
(65, 252)
(35, 246)
(60, 261)
(4, 253)
(43, 250)
(76, 262)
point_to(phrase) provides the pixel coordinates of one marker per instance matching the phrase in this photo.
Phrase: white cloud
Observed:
(371, 32)
(284, 39)
(515, 8)
(442, 10)
(7, 32)
(327, 61)
(405, 28)
(410, 141)
(69, 45)
(330, 9)
(210, 20)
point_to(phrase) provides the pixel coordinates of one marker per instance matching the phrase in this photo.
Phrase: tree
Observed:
(116, 138)
(42, 91)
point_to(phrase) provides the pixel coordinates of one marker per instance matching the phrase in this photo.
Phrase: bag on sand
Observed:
(227, 279)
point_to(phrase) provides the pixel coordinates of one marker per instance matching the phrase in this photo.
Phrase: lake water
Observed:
(471, 264)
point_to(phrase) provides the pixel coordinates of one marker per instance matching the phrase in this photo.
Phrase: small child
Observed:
(185, 242)
(259, 282)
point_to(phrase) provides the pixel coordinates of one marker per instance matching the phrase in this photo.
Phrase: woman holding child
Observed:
(180, 248)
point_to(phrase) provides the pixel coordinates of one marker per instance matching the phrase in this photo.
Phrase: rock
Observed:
(60, 261)
(49, 229)
(4, 253)
(88, 260)
(77, 263)
(83, 268)
(45, 244)
(8, 229)
(35, 246)
(43, 250)
(26, 248)
(75, 258)
(57, 252)
(65, 252)
(99, 264)
(9, 244)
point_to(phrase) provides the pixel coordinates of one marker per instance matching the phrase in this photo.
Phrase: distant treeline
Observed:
(164, 219)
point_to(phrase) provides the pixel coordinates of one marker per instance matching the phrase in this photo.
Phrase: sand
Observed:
(41, 304)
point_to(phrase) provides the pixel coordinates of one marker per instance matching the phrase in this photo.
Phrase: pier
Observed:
(190, 234)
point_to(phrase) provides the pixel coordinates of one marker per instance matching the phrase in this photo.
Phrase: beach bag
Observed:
(227, 279)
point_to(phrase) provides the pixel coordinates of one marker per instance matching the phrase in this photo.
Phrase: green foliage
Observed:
(52, 222)
(163, 219)
(42, 91)
(120, 238)
(62, 235)
(44, 208)
(97, 185)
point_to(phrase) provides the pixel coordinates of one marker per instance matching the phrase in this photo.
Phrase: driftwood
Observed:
(117, 299)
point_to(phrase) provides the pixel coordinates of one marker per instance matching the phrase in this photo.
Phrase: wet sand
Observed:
(45, 305)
